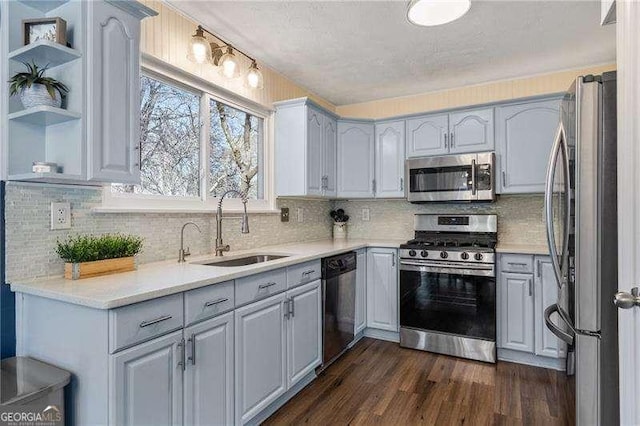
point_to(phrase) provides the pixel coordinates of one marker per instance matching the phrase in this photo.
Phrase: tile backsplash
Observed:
(520, 217)
(31, 244)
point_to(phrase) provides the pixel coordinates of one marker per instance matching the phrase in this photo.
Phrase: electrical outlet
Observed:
(284, 214)
(366, 215)
(60, 216)
(300, 214)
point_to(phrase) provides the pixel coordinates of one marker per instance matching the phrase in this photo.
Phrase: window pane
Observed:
(235, 144)
(169, 140)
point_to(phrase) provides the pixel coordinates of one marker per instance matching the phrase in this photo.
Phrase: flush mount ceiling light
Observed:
(223, 56)
(429, 13)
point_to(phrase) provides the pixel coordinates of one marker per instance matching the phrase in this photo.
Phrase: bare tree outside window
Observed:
(169, 140)
(235, 151)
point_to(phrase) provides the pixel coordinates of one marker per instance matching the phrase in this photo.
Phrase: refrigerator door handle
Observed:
(548, 203)
(557, 331)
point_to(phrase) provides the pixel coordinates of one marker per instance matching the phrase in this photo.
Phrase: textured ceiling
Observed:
(356, 51)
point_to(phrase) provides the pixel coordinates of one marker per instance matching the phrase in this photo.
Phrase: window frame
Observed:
(204, 203)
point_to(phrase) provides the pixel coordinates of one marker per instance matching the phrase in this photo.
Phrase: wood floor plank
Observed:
(379, 383)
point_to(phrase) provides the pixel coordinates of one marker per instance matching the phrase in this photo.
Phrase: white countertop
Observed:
(541, 249)
(159, 279)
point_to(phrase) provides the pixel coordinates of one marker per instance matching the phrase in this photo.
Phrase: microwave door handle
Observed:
(473, 178)
(548, 203)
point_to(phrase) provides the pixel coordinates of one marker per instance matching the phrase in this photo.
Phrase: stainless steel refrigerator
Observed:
(581, 217)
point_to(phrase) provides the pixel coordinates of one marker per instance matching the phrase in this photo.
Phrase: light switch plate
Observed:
(300, 214)
(60, 216)
(366, 215)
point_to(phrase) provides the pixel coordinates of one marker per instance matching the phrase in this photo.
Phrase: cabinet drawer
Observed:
(207, 302)
(135, 323)
(516, 263)
(303, 273)
(259, 286)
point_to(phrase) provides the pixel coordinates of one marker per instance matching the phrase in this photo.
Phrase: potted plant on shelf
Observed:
(35, 89)
(89, 256)
(339, 224)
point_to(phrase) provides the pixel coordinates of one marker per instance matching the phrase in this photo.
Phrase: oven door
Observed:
(456, 300)
(467, 177)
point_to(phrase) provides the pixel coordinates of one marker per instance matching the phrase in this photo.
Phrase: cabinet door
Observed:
(516, 311)
(525, 133)
(471, 131)
(304, 331)
(356, 160)
(390, 160)
(382, 289)
(113, 95)
(315, 136)
(361, 291)
(547, 344)
(146, 385)
(208, 378)
(260, 356)
(428, 135)
(329, 146)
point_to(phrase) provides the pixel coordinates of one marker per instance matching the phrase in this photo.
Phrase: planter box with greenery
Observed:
(35, 89)
(90, 256)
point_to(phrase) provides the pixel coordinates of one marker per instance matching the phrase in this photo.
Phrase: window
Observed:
(180, 129)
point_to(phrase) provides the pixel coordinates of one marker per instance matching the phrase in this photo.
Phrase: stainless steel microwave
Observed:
(464, 177)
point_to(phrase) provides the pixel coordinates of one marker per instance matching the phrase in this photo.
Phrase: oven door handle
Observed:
(470, 269)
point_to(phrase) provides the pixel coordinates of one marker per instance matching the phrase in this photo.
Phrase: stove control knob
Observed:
(444, 254)
(464, 255)
(424, 253)
(412, 253)
(478, 256)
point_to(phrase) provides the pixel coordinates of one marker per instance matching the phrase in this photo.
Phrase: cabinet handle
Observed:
(216, 302)
(292, 306)
(446, 140)
(267, 285)
(373, 184)
(401, 184)
(538, 272)
(517, 264)
(144, 324)
(504, 178)
(306, 274)
(393, 259)
(192, 340)
(452, 140)
(530, 287)
(181, 363)
(287, 308)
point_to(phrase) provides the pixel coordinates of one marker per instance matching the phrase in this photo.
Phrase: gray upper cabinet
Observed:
(305, 150)
(471, 131)
(450, 133)
(356, 159)
(427, 135)
(390, 147)
(524, 134)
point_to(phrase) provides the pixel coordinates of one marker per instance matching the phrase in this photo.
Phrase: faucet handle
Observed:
(187, 252)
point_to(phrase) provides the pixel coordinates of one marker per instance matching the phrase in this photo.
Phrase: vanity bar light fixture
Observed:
(429, 13)
(223, 56)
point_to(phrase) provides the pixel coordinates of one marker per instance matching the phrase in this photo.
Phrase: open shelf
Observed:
(45, 52)
(59, 178)
(44, 115)
(44, 6)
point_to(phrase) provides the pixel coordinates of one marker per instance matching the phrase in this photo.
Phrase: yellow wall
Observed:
(166, 37)
(470, 95)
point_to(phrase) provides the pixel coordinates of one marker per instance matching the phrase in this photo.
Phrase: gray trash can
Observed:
(32, 389)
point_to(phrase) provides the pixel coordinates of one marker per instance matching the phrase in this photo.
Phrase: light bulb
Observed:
(229, 66)
(436, 12)
(253, 78)
(199, 49)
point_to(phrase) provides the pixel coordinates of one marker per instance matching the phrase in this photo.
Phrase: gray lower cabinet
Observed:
(516, 310)
(208, 375)
(361, 291)
(546, 290)
(382, 289)
(146, 383)
(260, 355)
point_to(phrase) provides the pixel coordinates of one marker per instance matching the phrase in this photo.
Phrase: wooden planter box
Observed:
(76, 271)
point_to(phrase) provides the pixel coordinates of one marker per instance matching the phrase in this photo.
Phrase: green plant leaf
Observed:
(89, 248)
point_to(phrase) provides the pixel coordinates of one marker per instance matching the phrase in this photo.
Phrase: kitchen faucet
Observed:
(220, 246)
(182, 254)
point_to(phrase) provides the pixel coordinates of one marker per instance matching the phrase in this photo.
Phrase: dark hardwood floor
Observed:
(378, 382)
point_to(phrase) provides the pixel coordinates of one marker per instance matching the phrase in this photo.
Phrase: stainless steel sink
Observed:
(243, 261)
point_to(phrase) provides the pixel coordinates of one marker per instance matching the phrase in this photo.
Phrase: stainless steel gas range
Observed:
(448, 286)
